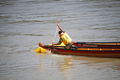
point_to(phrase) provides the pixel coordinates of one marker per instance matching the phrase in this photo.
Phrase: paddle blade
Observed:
(40, 50)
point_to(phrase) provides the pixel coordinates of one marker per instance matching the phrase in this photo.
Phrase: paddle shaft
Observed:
(59, 27)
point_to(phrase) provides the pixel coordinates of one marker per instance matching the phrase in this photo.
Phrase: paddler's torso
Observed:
(65, 38)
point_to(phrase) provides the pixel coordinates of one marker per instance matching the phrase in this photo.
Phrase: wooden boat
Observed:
(93, 49)
(101, 43)
(88, 51)
(97, 44)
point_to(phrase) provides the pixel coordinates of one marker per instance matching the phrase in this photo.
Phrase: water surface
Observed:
(24, 23)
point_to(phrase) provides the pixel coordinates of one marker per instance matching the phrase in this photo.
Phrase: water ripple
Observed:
(18, 34)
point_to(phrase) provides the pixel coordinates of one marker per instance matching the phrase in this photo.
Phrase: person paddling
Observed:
(64, 38)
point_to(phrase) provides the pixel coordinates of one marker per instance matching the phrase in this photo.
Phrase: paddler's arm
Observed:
(60, 41)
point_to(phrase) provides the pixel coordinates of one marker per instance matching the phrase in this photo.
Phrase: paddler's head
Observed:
(61, 33)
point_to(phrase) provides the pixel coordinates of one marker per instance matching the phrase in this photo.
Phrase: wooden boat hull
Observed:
(91, 53)
(93, 49)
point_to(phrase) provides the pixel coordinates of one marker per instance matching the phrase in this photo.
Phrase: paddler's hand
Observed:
(41, 44)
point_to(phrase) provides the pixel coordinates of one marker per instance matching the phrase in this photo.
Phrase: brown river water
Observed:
(25, 23)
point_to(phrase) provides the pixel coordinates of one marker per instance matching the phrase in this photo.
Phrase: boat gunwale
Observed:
(86, 47)
(97, 42)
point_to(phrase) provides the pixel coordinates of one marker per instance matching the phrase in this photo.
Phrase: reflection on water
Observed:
(67, 64)
(70, 66)
(91, 61)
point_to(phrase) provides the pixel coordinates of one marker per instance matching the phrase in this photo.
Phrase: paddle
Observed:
(59, 27)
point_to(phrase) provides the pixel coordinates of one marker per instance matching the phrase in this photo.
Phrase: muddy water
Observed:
(24, 23)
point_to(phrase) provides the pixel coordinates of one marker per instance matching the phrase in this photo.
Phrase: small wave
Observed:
(1, 17)
(2, 64)
(4, 3)
(19, 51)
(33, 34)
(25, 21)
(33, 21)
(40, 1)
(18, 34)
(13, 68)
(105, 28)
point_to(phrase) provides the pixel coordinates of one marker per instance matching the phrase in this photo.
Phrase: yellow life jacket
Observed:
(66, 38)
